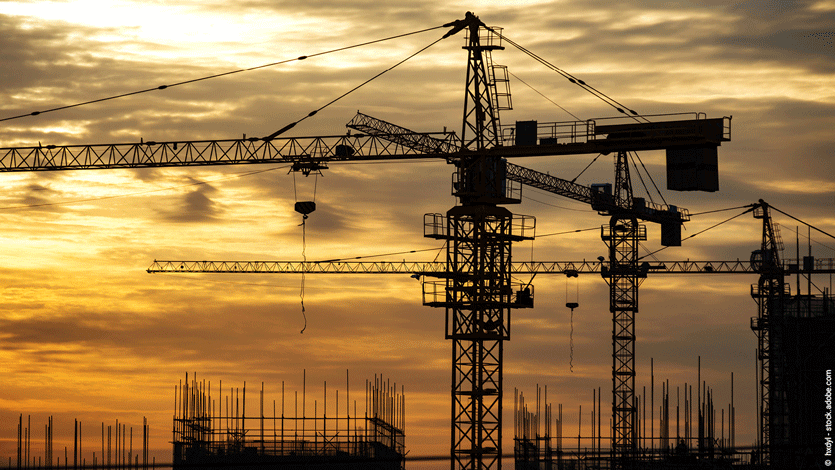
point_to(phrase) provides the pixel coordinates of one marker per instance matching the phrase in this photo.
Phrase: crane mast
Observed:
(770, 293)
(477, 293)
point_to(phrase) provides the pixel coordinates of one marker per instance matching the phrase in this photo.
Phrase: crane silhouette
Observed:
(474, 286)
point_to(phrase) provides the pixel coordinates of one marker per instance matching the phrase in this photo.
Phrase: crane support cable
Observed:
(567, 232)
(802, 222)
(587, 167)
(722, 210)
(542, 95)
(700, 232)
(218, 75)
(313, 113)
(640, 177)
(786, 227)
(554, 205)
(571, 78)
(377, 256)
(649, 176)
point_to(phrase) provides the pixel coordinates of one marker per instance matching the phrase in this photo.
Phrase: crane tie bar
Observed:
(223, 74)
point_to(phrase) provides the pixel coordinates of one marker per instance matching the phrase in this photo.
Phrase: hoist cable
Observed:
(304, 258)
(223, 74)
(571, 344)
(313, 113)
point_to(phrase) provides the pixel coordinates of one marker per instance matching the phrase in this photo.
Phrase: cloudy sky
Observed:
(86, 333)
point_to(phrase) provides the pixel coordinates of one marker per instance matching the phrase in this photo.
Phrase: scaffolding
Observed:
(215, 432)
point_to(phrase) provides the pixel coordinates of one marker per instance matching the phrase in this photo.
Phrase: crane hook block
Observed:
(305, 207)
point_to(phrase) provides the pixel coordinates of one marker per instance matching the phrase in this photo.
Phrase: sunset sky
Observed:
(86, 333)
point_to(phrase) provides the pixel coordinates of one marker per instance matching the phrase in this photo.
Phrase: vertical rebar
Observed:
(282, 417)
(593, 410)
(74, 447)
(28, 440)
(20, 442)
(652, 405)
(731, 417)
(678, 402)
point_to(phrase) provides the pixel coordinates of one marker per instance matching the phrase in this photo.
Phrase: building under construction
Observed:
(216, 432)
(797, 368)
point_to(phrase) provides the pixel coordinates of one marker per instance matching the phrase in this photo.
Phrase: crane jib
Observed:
(405, 145)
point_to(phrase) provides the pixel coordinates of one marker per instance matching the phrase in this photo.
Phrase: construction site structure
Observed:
(215, 431)
(795, 335)
(795, 374)
(692, 432)
(117, 448)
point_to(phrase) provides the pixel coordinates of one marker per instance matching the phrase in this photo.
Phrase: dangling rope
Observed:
(304, 259)
(304, 212)
(572, 306)
(571, 344)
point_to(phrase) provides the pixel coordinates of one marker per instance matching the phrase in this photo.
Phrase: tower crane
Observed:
(477, 292)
